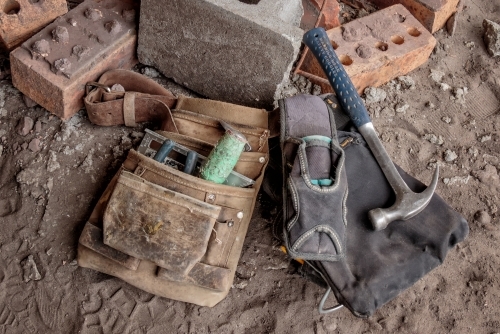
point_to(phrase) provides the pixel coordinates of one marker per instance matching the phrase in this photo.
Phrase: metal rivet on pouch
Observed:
(210, 197)
(239, 215)
(139, 170)
(230, 223)
(262, 160)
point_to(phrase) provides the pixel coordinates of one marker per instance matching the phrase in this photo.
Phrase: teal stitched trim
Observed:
(317, 137)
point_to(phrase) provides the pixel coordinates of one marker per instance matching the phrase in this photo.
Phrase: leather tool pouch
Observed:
(376, 265)
(167, 232)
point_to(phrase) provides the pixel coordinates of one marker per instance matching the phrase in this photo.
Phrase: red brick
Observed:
(321, 13)
(433, 14)
(318, 4)
(53, 66)
(359, 45)
(329, 15)
(20, 19)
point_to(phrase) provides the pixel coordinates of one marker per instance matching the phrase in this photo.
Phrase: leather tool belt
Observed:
(164, 231)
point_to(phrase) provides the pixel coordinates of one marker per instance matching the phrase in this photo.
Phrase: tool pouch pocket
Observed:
(316, 212)
(315, 181)
(150, 222)
(184, 225)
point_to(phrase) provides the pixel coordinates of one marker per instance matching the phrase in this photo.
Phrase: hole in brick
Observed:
(364, 51)
(414, 32)
(335, 45)
(250, 2)
(396, 39)
(345, 60)
(11, 7)
(382, 46)
(400, 18)
(34, 1)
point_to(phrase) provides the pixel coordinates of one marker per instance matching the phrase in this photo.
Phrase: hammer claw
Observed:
(407, 205)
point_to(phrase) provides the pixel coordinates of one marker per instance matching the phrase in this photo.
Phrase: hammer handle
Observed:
(318, 42)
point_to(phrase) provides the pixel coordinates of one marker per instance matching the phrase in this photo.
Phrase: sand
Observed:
(446, 113)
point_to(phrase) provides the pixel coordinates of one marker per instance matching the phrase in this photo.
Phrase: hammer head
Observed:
(407, 205)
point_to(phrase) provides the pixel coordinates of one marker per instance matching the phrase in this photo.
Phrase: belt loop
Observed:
(129, 109)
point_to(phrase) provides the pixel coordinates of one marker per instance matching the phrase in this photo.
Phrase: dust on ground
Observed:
(445, 113)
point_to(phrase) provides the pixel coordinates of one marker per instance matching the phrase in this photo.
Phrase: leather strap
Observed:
(143, 100)
(129, 109)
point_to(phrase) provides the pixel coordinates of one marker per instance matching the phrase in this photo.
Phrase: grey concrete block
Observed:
(226, 50)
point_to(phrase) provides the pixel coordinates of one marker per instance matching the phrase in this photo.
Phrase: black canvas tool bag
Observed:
(331, 182)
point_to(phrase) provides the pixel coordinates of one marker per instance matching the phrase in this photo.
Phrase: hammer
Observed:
(408, 203)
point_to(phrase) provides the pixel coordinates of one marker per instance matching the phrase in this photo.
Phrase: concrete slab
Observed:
(235, 51)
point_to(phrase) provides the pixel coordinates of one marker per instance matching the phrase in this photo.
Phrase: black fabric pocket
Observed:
(316, 195)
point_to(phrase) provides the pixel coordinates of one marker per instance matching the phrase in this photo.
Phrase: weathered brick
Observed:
(320, 13)
(53, 66)
(236, 51)
(374, 49)
(20, 19)
(329, 15)
(433, 14)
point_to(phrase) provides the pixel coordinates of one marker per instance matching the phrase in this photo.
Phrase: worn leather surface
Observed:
(92, 237)
(210, 279)
(146, 201)
(151, 102)
(143, 220)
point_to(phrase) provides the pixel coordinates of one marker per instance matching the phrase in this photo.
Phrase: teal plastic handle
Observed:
(318, 42)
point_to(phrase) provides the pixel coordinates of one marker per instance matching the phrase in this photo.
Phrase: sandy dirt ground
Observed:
(445, 113)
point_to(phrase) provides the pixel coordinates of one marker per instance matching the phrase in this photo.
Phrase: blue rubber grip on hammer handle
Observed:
(319, 44)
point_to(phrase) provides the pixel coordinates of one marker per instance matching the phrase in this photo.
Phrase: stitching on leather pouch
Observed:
(232, 244)
(214, 123)
(263, 140)
(195, 120)
(131, 185)
(139, 171)
(183, 140)
(248, 132)
(225, 241)
(254, 160)
(167, 176)
(224, 244)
